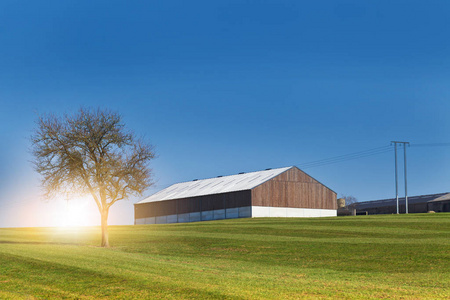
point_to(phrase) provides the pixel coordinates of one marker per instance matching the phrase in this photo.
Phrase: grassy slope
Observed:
(351, 257)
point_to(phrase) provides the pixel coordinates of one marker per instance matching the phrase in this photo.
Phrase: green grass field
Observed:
(390, 256)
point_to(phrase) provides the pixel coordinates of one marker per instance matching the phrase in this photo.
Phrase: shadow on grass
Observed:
(36, 243)
(45, 279)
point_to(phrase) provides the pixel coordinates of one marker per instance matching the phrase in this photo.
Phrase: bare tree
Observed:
(91, 152)
(349, 199)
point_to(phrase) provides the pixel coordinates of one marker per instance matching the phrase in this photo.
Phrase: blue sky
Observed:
(221, 87)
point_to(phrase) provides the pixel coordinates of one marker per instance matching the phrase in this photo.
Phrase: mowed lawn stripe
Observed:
(356, 257)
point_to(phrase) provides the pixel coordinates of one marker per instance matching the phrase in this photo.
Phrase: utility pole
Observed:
(396, 174)
(406, 184)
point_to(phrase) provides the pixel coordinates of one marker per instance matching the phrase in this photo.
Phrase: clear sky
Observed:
(221, 87)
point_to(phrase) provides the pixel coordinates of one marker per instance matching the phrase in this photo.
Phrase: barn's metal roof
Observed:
(393, 201)
(217, 185)
(445, 197)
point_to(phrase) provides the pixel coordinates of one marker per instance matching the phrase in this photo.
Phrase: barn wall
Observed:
(419, 207)
(295, 189)
(439, 206)
(226, 202)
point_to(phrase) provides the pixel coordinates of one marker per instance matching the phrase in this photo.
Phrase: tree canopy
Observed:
(91, 152)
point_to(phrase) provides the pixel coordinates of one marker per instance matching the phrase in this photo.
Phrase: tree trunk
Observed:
(105, 240)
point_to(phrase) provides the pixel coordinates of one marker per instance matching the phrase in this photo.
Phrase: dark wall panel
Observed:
(154, 209)
(193, 204)
(143, 210)
(439, 206)
(188, 205)
(238, 199)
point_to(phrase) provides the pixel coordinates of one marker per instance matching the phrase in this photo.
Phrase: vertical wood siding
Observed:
(294, 188)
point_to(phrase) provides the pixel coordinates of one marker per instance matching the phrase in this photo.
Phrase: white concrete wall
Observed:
(289, 212)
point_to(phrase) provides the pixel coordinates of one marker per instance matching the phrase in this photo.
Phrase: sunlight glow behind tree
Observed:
(72, 213)
(91, 152)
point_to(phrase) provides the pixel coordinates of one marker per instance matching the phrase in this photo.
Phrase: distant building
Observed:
(283, 192)
(416, 204)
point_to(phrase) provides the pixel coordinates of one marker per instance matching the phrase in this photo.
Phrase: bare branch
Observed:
(91, 152)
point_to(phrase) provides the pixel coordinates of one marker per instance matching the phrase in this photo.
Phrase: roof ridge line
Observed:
(223, 176)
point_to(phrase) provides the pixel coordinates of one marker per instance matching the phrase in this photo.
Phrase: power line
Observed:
(362, 154)
(431, 145)
(346, 157)
(354, 153)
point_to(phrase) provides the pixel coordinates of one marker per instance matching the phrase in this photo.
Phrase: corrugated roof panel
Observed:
(217, 185)
(444, 197)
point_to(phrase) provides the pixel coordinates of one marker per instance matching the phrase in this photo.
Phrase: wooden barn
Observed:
(283, 192)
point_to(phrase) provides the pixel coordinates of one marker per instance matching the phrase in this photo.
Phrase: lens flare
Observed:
(75, 213)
